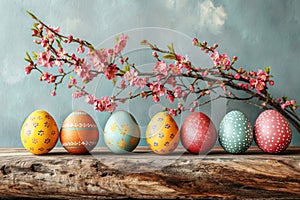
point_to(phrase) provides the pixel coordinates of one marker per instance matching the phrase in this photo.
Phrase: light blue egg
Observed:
(121, 132)
(235, 133)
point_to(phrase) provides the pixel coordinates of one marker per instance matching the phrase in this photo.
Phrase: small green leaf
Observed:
(169, 57)
(126, 68)
(36, 24)
(114, 81)
(171, 48)
(35, 55)
(27, 59)
(58, 44)
(267, 69)
(32, 15)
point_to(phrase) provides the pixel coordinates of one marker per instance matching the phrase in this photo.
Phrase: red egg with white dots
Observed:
(198, 133)
(272, 132)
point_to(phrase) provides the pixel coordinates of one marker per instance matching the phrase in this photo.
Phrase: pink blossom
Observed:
(155, 98)
(195, 41)
(271, 83)
(283, 106)
(60, 70)
(70, 38)
(225, 60)
(141, 82)
(180, 58)
(263, 76)
(122, 84)
(44, 59)
(110, 71)
(80, 49)
(172, 81)
(215, 56)
(172, 111)
(237, 76)
(99, 58)
(53, 93)
(90, 99)
(61, 53)
(120, 44)
(131, 76)
(58, 63)
(157, 88)
(191, 88)
(176, 69)
(161, 67)
(177, 92)
(44, 42)
(121, 61)
(154, 54)
(105, 104)
(293, 102)
(77, 94)
(28, 69)
(287, 103)
(192, 109)
(170, 97)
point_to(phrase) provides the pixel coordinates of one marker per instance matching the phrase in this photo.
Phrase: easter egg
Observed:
(162, 133)
(121, 132)
(272, 132)
(235, 133)
(79, 133)
(39, 132)
(198, 133)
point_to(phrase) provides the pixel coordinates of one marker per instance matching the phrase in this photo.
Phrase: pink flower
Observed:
(191, 88)
(44, 42)
(170, 97)
(161, 67)
(53, 93)
(260, 85)
(122, 84)
(157, 88)
(177, 92)
(99, 58)
(237, 76)
(61, 53)
(141, 82)
(176, 69)
(80, 49)
(216, 58)
(271, 83)
(90, 99)
(131, 76)
(154, 54)
(28, 69)
(110, 71)
(104, 104)
(293, 102)
(172, 111)
(263, 76)
(195, 41)
(77, 94)
(70, 38)
(120, 44)
(44, 59)
(155, 98)
(283, 106)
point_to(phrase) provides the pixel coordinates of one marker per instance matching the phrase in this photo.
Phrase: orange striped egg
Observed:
(79, 133)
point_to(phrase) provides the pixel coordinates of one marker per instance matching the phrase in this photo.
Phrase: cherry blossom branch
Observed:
(167, 78)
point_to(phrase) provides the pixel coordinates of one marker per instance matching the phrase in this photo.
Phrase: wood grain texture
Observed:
(143, 174)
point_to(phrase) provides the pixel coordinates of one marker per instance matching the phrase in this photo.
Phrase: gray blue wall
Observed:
(260, 33)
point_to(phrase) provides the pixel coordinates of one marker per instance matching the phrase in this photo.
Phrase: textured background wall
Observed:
(261, 33)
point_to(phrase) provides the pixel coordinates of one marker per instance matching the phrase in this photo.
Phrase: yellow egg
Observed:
(39, 132)
(162, 134)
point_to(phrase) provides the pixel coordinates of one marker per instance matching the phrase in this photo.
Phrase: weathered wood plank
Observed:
(145, 175)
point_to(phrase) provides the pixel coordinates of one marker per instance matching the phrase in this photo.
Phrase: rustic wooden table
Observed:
(142, 174)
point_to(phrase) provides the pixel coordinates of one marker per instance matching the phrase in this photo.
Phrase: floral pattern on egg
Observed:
(162, 134)
(39, 132)
(121, 132)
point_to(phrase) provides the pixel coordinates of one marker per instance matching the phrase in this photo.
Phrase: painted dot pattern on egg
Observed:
(235, 133)
(272, 132)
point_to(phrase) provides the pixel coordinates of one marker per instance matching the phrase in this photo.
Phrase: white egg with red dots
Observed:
(272, 132)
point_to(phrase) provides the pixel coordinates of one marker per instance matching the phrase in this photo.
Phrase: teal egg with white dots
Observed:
(235, 133)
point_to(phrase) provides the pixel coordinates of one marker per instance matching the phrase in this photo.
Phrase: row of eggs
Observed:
(79, 133)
